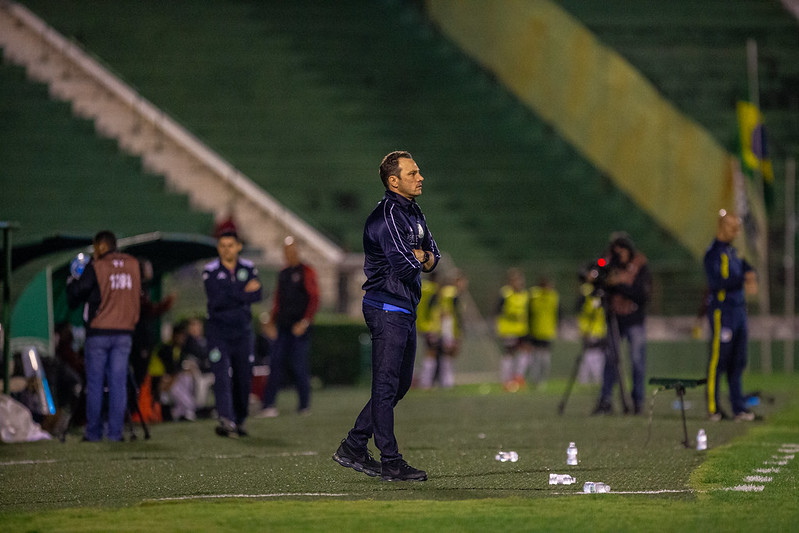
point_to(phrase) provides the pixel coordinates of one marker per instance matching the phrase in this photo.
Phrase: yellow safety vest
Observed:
(445, 305)
(544, 313)
(423, 310)
(513, 319)
(591, 319)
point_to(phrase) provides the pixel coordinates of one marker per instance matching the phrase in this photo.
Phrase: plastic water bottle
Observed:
(561, 479)
(591, 487)
(701, 440)
(571, 454)
(505, 457)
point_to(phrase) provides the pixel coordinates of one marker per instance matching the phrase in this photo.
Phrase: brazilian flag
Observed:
(754, 147)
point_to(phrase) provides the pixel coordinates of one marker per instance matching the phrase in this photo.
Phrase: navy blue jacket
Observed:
(392, 231)
(725, 275)
(229, 312)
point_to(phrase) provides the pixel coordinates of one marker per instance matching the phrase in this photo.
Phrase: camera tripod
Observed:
(612, 356)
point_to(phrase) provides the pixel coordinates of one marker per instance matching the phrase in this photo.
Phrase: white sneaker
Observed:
(744, 416)
(268, 412)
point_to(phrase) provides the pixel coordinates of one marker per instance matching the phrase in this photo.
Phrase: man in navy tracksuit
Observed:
(231, 285)
(398, 247)
(729, 278)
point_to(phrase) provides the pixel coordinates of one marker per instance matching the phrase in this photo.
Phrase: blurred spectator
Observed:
(171, 375)
(147, 333)
(593, 329)
(195, 358)
(289, 328)
(110, 285)
(544, 318)
(513, 328)
(428, 329)
(446, 321)
(628, 286)
(68, 381)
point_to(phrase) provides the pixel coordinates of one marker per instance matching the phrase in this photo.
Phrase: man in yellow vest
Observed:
(428, 328)
(445, 319)
(544, 314)
(593, 333)
(513, 327)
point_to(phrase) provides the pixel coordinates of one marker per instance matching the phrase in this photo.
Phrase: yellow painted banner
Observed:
(667, 163)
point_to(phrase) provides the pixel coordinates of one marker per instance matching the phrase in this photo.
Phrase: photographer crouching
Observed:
(626, 288)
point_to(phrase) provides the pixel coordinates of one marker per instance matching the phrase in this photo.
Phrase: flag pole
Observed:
(764, 300)
(790, 259)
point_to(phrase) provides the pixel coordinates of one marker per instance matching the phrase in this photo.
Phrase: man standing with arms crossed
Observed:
(111, 287)
(231, 285)
(398, 247)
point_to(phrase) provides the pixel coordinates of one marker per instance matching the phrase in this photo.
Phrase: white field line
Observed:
(270, 495)
(787, 453)
(28, 462)
(282, 454)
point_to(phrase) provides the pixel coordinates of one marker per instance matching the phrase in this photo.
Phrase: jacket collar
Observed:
(401, 200)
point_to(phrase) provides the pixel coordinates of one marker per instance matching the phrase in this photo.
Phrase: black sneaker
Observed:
(603, 408)
(226, 428)
(360, 461)
(399, 470)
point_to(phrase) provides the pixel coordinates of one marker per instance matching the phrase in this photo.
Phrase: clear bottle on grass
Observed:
(571, 454)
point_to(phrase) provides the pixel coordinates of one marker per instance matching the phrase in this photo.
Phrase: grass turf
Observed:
(282, 477)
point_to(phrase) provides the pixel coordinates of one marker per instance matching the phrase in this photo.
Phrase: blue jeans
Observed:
(393, 355)
(291, 351)
(106, 362)
(636, 336)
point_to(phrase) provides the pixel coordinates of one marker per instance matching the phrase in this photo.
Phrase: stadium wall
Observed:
(666, 162)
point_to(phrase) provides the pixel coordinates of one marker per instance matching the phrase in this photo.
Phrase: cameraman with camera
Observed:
(627, 286)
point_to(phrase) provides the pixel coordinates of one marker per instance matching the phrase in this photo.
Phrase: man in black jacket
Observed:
(628, 286)
(398, 247)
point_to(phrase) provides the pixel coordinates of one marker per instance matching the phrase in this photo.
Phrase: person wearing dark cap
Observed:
(231, 285)
(628, 287)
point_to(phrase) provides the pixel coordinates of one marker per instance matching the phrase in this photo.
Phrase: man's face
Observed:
(409, 182)
(730, 227)
(622, 254)
(228, 248)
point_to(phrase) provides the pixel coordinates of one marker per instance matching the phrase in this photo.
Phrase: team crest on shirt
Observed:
(242, 274)
(419, 231)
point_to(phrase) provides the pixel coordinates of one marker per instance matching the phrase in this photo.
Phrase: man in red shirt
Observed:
(293, 310)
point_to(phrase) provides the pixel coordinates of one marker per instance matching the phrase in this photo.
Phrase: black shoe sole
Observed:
(358, 467)
(392, 478)
(222, 432)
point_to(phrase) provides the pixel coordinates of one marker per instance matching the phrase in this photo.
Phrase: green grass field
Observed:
(282, 477)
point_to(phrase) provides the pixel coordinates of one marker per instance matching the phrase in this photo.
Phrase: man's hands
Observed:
(298, 329)
(252, 285)
(420, 256)
(750, 283)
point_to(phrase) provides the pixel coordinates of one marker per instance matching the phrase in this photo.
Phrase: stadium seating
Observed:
(59, 177)
(305, 96)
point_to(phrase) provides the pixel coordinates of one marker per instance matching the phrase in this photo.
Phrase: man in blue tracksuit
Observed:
(398, 247)
(729, 277)
(231, 285)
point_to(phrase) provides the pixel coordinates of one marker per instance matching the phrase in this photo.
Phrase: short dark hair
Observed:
(108, 238)
(390, 165)
(229, 233)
